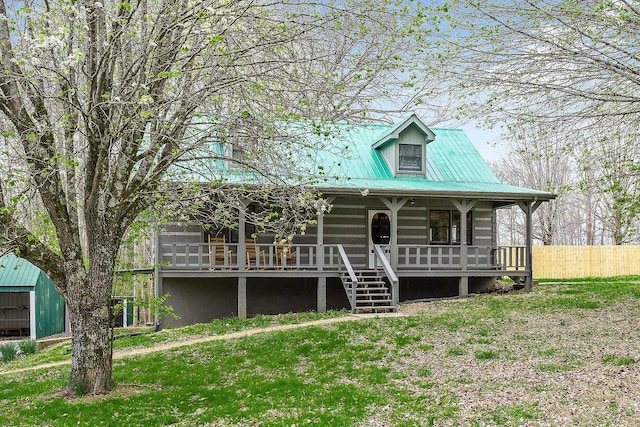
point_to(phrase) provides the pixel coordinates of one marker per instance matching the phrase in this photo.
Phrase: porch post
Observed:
(320, 237)
(320, 242)
(463, 206)
(394, 205)
(242, 297)
(322, 294)
(463, 286)
(242, 248)
(529, 207)
(322, 281)
(157, 278)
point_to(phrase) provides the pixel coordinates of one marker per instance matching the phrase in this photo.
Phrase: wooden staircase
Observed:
(372, 292)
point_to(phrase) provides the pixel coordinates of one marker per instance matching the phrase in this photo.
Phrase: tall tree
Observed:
(538, 159)
(101, 101)
(569, 66)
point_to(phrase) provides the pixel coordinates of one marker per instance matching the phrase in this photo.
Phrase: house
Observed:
(29, 304)
(413, 215)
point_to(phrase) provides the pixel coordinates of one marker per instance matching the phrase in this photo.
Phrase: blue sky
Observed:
(486, 141)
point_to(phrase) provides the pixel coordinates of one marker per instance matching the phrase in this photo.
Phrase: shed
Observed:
(30, 306)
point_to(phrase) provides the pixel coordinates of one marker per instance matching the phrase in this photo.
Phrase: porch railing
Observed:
(270, 256)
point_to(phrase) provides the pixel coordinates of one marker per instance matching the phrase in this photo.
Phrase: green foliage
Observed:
(618, 360)
(8, 352)
(555, 368)
(486, 355)
(28, 346)
(80, 386)
(455, 351)
(157, 306)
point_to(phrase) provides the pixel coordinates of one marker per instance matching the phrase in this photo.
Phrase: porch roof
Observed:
(413, 187)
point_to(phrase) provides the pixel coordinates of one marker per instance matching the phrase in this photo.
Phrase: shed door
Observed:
(15, 314)
(379, 234)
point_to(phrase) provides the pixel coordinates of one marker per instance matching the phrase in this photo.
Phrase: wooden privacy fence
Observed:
(566, 262)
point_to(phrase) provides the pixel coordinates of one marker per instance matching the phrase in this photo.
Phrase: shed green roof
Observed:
(16, 271)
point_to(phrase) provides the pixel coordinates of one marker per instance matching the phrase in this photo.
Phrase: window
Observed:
(410, 157)
(237, 153)
(444, 227)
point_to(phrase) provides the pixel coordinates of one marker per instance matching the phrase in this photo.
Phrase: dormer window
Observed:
(404, 147)
(237, 153)
(410, 157)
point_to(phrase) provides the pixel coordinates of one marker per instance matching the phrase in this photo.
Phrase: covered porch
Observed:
(359, 238)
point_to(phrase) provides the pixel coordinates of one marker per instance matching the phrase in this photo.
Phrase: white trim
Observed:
(395, 132)
(32, 314)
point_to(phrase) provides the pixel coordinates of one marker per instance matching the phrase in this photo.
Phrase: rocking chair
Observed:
(219, 256)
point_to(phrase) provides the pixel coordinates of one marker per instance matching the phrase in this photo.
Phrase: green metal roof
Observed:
(453, 166)
(16, 271)
(355, 163)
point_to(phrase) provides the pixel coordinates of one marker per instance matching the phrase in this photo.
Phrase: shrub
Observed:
(8, 352)
(28, 346)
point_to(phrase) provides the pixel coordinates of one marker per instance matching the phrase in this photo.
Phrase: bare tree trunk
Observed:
(91, 343)
(90, 313)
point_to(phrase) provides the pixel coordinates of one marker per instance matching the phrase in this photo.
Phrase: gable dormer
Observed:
(404, 147)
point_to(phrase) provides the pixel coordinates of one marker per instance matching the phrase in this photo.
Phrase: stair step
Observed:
(363, 277)
(371, 293)
(382, 309)
(375, 294)
(367, 283)
(367, 299)
(365, 286)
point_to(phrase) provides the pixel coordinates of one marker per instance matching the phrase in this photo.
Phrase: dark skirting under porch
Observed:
(200, 300)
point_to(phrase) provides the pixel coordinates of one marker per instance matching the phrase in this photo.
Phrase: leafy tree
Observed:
(109, 109)
(564, 66)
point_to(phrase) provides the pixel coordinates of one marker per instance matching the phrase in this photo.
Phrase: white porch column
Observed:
(529, 207)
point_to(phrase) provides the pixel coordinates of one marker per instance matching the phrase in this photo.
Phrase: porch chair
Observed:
(252, 255)
(285, 256)
(219, 256)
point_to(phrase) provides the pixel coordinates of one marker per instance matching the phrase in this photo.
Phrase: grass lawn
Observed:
(566, 354)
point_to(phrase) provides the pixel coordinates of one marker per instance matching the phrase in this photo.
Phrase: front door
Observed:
(379, 234)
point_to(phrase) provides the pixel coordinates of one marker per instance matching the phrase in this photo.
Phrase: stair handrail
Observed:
(388, 271)
(352, 276)
(347, 264)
